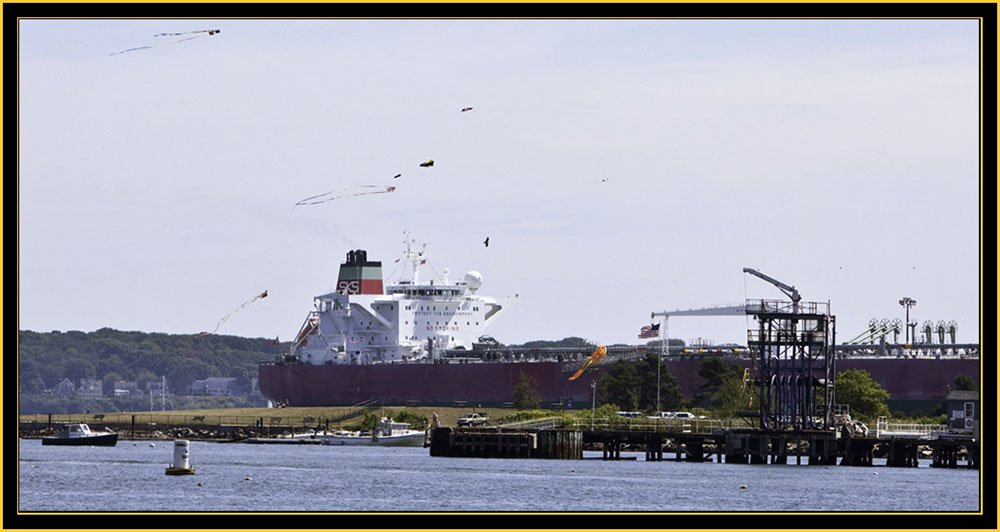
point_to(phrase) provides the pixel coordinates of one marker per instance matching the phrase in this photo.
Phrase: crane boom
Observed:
(789, 291)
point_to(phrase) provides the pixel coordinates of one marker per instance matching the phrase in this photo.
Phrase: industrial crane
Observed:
(789, 291)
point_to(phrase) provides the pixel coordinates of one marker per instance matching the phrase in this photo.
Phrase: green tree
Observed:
(865, 397)
(620, 385)
(144, 377)
(108, 383)
(632, 385)
(723, 388)
(964, 383)
(525, 395)
(78, 368)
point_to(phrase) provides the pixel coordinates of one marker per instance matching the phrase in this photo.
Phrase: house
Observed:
(219, 386)
(90, 388)
(127, 389)
(962, 408)
(66, 387)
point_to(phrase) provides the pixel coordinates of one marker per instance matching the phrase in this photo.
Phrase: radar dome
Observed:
(474, 279)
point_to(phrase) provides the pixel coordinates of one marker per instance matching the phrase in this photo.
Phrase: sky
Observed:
(619, 168)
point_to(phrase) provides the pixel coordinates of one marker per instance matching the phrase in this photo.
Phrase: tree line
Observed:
(632, 386)
(45, 359)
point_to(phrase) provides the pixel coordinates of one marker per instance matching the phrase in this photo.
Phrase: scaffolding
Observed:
(792, 351)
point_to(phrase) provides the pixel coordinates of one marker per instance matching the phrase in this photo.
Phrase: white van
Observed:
(629, 414)
(672, 415)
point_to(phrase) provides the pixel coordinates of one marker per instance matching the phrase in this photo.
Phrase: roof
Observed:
(963, 395)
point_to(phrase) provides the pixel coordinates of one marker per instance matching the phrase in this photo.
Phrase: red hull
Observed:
(493, 383)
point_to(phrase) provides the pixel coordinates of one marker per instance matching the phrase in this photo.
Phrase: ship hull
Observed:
(492, 383)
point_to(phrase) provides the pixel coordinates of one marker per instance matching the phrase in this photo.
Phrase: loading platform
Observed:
(739, 446)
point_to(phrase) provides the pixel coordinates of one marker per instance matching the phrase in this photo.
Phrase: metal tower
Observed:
(792, 348)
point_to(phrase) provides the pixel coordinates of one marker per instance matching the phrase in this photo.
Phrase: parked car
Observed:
(629, 414)
(473, 419)
(672, 415)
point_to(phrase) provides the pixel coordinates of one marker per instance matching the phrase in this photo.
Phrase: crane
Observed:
(789, 291)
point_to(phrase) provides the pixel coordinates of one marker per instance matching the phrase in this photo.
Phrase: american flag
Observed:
(650, 331)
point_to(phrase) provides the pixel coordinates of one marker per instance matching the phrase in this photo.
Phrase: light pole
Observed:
(907, 303)
(593, 403)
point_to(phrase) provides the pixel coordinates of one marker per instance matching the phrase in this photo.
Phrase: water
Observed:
(315, 478)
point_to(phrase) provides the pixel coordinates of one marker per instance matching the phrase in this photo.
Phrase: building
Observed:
(217, 386)
(962, 408)
(66, 387)
(91, 388)
(127, 389)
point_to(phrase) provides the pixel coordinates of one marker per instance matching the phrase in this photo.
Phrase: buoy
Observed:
(180, 465)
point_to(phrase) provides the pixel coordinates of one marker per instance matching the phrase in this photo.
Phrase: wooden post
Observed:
(133, 426)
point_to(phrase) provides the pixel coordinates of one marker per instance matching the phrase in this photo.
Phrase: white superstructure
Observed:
(411, 321)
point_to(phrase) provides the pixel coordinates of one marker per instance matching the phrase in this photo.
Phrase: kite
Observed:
(262, 295)
(428, 162)
(597, 355)
(346, 193)
(464, 109)
(486, 242)
(208, 32)
(397, 176)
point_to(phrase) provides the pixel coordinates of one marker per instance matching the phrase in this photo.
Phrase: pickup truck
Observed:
(473, 419)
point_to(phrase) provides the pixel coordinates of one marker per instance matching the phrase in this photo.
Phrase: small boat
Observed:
(388, 433)
(287, 438)
(80, 434)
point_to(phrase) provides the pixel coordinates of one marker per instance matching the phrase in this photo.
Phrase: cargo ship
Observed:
(422, 342)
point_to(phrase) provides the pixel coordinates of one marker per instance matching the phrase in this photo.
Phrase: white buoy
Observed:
(180, 465)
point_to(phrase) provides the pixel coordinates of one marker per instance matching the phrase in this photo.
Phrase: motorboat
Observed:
(80, 434)
(388, 433)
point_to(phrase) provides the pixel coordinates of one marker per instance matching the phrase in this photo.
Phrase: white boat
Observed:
(80, 434)
(311, 436)
(388, 433)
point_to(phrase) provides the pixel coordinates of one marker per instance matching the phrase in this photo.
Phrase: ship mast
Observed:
(416, 258)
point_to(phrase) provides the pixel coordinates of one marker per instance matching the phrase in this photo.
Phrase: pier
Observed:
(732, 446)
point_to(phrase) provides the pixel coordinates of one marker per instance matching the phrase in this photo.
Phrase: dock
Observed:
(739, 446)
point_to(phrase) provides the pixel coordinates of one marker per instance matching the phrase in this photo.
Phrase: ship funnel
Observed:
(358, 275)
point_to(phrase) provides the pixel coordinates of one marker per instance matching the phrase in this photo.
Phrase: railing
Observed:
(884, 428)
(694, 426)
(540, 423)
(777, 306)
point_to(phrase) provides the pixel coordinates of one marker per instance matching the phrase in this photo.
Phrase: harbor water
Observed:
(239, 477)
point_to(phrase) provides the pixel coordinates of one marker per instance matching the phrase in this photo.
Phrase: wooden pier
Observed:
(486, 443)
(734, 446)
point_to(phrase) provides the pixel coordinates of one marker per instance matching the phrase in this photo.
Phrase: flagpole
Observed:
(659, 361)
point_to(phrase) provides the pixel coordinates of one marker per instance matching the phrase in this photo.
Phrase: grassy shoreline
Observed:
(304, 416)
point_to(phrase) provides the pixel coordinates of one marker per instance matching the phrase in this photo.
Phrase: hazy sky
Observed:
(841, 156)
